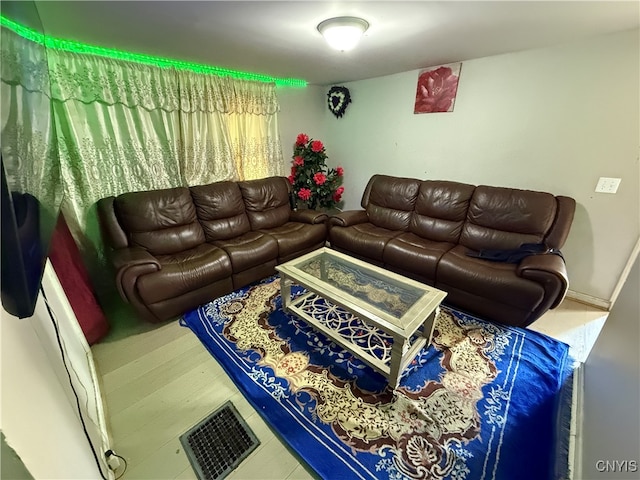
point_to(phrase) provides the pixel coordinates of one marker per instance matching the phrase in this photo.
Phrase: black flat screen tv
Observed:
(23, 250)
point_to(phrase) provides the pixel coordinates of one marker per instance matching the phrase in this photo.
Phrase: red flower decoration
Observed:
(319, 178)
(304, 194)
(311, 180)
(302, 139)
(436, 91)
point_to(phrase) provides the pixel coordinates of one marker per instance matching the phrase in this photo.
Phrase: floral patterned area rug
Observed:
(481, 402)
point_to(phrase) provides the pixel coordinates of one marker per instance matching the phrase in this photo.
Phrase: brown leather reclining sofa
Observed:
(178, 248)
(424, 230)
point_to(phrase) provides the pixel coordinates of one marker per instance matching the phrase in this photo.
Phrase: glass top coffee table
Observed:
(373, 313)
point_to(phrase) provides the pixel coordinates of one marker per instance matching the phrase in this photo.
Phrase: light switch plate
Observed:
(608, 185)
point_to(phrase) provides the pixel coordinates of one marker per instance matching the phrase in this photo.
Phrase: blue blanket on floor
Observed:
(483, 401)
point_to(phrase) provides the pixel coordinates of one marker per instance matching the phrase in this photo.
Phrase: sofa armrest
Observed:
(550, 271)
(308, 216)
(131, 263)
(348, 218)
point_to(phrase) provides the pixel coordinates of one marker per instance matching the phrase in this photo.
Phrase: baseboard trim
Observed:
(589, 300)
(575, 442)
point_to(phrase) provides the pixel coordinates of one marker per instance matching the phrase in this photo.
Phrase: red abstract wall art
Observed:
(437, 88)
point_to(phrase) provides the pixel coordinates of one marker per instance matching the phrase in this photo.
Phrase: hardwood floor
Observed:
(157, 385)
(158, 382)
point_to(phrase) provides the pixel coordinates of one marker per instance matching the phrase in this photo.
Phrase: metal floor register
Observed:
(217, 445)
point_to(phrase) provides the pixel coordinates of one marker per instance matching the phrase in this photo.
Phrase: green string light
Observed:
(77, 47)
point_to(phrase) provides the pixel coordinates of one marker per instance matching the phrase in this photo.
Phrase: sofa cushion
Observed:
(441, 209)
(389, 201)
(505, 218)
(220, 210)
(293, 237)
(416, 255)
(493, 281)
(160, 221)
(249, 250)
(364, 239)
(266, 202)
(183, 272)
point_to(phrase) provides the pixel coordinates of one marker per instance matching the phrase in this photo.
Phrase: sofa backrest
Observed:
(389, 201)
(505, 218)
(266, 201)
(220, 210)
(161, 221)
(110, 227)
(441, 210)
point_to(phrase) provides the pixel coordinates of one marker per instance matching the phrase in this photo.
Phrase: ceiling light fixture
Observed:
(343, 33)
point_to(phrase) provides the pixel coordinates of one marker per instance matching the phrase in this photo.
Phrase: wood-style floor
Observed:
(158, 382)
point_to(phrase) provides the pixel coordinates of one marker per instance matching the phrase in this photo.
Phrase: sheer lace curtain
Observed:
(126, 127)
(118, 131)
(253, 129)
(229, 129)
(28, 135)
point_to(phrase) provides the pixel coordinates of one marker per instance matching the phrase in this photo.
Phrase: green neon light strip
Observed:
(76, 47)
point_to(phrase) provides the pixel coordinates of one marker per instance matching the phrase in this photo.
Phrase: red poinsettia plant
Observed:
(312, 181)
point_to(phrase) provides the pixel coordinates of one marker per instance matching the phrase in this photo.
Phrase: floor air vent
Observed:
(218, 444)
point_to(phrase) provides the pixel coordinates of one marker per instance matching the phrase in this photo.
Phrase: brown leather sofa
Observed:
(424, 230)
(178, 248)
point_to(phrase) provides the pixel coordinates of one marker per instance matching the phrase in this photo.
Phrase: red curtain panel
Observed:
(74, 278)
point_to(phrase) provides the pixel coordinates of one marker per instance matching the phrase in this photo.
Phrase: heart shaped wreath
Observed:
(338, 98)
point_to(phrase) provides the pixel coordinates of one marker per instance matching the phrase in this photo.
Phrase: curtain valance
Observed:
(23, 63)
(88, 78)
(210, 94)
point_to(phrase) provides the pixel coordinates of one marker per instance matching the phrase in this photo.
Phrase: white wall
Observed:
(301, 111)
(611, 414)
(552, 119)
(38, 411)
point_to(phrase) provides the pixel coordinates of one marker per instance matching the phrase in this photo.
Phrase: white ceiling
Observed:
(280, 38)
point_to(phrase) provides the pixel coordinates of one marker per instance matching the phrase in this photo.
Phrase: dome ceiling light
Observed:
(343, 33)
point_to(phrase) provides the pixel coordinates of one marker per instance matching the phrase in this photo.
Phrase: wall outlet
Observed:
(608, 185)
